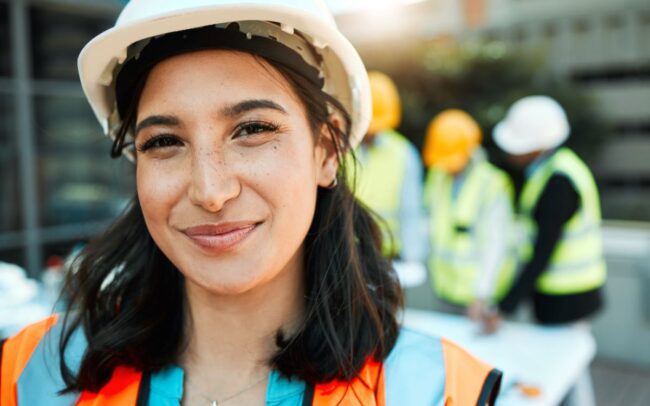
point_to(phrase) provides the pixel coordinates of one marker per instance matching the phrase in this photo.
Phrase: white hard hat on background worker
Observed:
(305, 26)
(534, 123)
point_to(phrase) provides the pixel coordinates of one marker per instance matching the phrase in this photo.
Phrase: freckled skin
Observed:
(211, 176)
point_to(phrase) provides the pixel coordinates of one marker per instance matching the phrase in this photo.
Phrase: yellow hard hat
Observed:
(386, 107)
(452, 137)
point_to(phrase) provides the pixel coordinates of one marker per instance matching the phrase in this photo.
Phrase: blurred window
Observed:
(550, 30)
(79, 188)
(77, 180)
(581, 26)
(58, 37)
(5, 39)
(10, 214)
(10, 255)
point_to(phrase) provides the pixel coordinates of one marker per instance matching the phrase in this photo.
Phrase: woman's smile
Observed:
(222, 237)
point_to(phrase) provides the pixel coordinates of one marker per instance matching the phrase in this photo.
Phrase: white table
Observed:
(14, 318)
(549, 358)
(32, 305)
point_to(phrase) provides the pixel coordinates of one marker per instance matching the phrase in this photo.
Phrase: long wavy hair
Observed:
(129, 298)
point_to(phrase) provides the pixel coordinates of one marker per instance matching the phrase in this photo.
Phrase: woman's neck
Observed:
(231, 338)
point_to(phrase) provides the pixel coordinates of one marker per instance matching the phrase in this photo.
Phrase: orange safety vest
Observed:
(468, 381)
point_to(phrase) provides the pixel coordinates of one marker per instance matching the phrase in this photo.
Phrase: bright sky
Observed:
(347, 6)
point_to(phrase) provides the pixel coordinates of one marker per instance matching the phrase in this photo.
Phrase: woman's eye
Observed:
(160, 141)
(255, 128)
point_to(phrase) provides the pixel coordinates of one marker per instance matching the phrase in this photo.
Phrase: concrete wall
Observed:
(622, 331)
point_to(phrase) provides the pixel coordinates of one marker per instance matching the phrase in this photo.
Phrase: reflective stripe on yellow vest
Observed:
(454, 262)
(379, 182)
(577, 263)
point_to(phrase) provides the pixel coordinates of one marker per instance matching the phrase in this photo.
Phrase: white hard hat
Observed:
(533, 123)
(305, 26)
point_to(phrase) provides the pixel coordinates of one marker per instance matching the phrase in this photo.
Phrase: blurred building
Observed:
(600, 46)
(58, 185)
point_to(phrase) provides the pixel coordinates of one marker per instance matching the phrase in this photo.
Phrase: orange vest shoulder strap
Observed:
(367, 389)
(16, 352)
(124, 388)
(468, 381)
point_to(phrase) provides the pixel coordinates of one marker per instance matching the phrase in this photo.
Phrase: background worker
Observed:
(389, 181)
(470, 216)
(561, 258)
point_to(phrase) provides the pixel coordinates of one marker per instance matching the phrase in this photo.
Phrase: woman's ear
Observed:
(327, 153)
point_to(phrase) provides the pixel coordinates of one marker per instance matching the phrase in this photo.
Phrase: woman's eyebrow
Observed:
(253, 104)
(156, 120)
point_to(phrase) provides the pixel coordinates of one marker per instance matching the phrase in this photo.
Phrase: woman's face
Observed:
(227, 169)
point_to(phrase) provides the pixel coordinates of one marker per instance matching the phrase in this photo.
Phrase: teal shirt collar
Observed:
(167, 388)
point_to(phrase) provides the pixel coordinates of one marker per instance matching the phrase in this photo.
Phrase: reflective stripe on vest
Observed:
(16, 353)
(577, 263)
(379, 182)
(454, 262)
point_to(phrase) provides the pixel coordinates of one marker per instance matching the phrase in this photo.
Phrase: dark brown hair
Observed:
(129, 298)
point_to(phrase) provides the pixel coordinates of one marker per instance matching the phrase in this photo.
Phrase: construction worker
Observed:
(244, 271)
(561, 258)
(470, 216)
(389, 181)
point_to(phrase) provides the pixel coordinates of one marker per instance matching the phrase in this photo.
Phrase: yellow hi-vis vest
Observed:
(577, 263)
(379, 182)
(454, 262)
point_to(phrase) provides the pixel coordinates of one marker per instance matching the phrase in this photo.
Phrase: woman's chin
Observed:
(226, 284)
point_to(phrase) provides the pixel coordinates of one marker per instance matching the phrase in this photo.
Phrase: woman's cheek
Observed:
(266, 166)
(157, 188)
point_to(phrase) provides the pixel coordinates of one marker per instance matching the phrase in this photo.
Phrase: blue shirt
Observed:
(414, 375)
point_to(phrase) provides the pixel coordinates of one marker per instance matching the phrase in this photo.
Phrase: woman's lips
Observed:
(219, 237)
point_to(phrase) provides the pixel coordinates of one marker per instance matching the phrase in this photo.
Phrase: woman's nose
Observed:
(213, 182)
